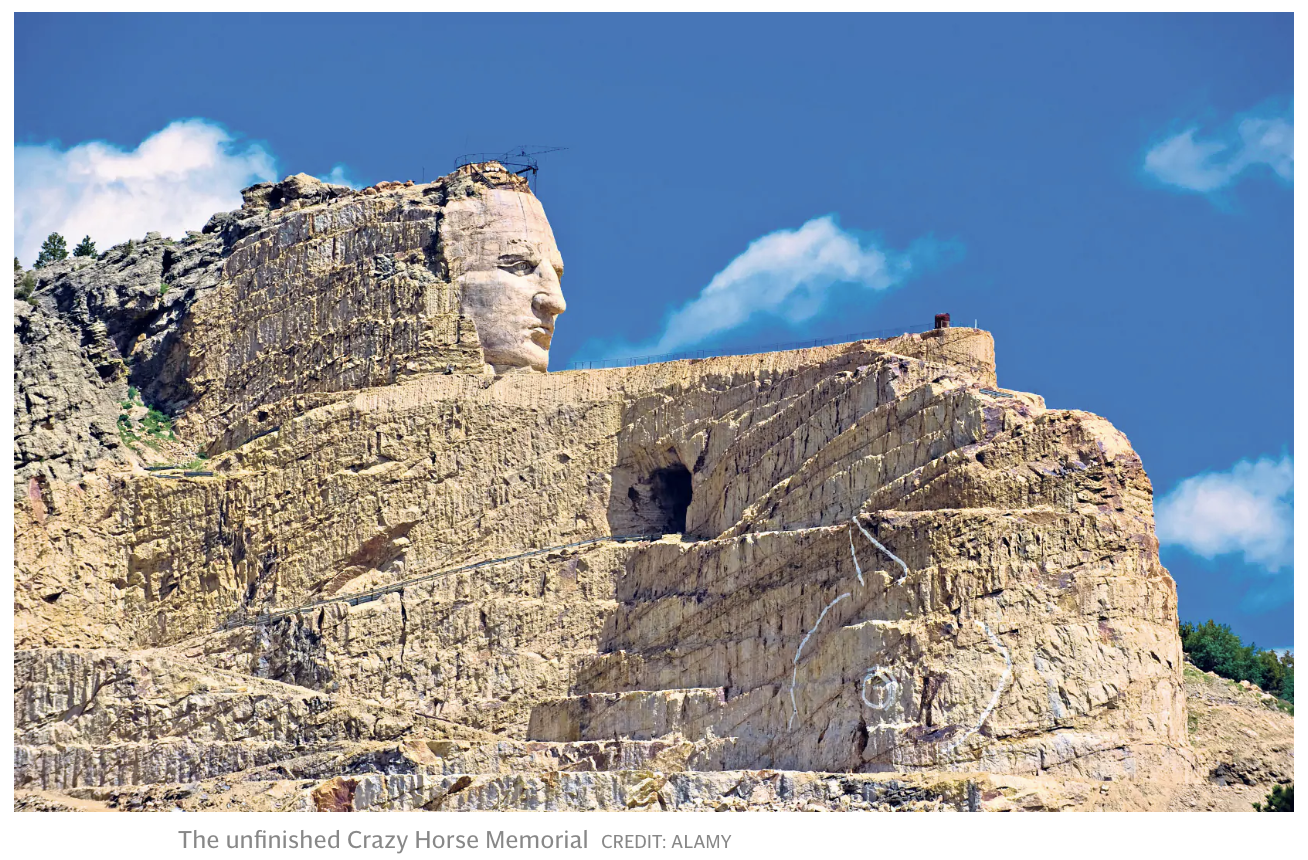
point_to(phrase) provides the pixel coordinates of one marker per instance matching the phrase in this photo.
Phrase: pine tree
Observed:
(1212, 647)
(18, 267)
(85, 248)
(53, 248)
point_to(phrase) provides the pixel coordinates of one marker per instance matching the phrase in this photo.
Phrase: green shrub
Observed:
(85, 248)
(24, 289)
(153, 427)
(125, 431)
(1214, 648)
(1279, 799)
(158, 424)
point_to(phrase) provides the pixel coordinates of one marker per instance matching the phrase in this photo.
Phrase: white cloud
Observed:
(1248, 509)
(171, 183)
(787, 275)
(1211, 163)
(340, 175)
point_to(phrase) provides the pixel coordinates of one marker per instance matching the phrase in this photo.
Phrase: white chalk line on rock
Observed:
(999, 691)
(794, 672)
(879, 670)
(887, 692)
(876, 543)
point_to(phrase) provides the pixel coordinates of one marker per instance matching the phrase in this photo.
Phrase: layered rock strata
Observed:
(876, 561)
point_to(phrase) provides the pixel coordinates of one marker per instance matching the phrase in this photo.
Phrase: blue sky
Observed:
(1110, 195)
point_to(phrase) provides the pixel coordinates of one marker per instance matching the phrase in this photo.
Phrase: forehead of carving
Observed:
(477, 231)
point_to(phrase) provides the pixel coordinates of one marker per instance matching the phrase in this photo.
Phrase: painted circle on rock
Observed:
(879, 688)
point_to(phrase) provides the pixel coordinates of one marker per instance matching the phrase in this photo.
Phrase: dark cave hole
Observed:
(670, 487)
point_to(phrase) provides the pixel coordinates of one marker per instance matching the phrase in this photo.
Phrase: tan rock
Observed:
(501, 253)
(335, 795)
(866, 577)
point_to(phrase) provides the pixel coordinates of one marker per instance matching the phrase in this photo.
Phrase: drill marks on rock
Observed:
(794, 673)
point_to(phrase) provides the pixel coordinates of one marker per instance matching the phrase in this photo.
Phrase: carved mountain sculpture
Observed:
(377, 557)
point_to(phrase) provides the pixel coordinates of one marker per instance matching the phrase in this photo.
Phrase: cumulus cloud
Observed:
(340, 175)
(787, 276)
(1201, 163)
(171, 183)
(1248, 509)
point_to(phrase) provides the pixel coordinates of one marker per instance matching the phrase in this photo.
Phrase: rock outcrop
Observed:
(414, 573)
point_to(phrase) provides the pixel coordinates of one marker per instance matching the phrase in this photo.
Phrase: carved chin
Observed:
(526, 354)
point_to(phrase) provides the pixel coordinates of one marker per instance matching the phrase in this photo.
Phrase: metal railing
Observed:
(633, 361)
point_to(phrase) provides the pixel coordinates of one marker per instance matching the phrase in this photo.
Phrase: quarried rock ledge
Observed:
(885, 581)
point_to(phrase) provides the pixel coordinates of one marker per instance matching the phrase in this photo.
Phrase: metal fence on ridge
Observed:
(633, 361)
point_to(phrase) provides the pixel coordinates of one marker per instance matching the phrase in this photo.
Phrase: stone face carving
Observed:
(502, 255)
(886, 564)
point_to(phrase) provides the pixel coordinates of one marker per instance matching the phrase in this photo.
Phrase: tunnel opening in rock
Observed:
(670, 489)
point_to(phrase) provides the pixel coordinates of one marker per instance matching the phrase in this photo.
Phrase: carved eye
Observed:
(518, 266)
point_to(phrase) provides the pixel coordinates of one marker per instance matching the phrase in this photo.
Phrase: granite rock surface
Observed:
(861, 576)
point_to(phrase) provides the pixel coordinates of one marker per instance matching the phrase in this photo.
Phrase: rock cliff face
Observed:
(865, 559)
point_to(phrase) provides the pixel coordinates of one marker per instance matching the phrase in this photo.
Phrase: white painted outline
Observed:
(891, 687)
(794, 673)
(994, 700)
(858, 570)
(876, 543)
(872, 672)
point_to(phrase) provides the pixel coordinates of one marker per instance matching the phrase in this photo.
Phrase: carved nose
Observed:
(550, 300)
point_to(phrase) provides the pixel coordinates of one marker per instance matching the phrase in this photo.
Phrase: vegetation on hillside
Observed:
(23, 289)
(54, 248)
(1212, 647)
(1279, 799)
(151, 428)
